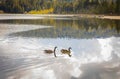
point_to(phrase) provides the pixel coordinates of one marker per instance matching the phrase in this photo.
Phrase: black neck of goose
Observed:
(54, 52)
(69, 49)
(54, 49)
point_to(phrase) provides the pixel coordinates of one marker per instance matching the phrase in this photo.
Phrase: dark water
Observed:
(69, 28)
(95, 47)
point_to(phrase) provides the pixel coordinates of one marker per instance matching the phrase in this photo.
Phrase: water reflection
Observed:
(92, 58)
(80, 28)
(95, 49)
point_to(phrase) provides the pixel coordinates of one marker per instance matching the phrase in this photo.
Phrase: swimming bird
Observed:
(51, 51)
(65, 51)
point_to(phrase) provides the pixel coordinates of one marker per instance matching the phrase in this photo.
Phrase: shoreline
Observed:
(114, 17)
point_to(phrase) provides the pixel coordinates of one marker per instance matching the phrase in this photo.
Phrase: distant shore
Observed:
(37, 16)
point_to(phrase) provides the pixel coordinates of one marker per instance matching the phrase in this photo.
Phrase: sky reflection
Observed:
(95, 49)
(93, 54)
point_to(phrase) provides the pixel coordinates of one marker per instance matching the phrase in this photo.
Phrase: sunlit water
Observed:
(95, 48)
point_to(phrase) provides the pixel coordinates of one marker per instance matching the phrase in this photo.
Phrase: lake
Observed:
(95, 47)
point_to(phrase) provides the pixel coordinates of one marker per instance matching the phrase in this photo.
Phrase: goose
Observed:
(65, 51)
(51, 51)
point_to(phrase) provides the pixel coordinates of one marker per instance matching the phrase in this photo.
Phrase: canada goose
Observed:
(51, 51)
(65, 51)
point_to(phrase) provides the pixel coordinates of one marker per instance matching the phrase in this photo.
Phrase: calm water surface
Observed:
(95, 47)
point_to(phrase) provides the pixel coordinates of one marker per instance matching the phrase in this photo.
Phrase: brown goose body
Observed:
(65, 51)
(51, 51)
(48, 51)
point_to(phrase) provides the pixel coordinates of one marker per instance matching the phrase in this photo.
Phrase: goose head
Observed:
(69, 48)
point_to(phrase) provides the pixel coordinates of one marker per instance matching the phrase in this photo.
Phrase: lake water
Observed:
(95, 47)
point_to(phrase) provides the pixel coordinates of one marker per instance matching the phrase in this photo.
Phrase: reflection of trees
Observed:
(117, 24)
(83, 28)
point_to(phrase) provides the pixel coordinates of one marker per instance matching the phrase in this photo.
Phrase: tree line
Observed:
(62, 6)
